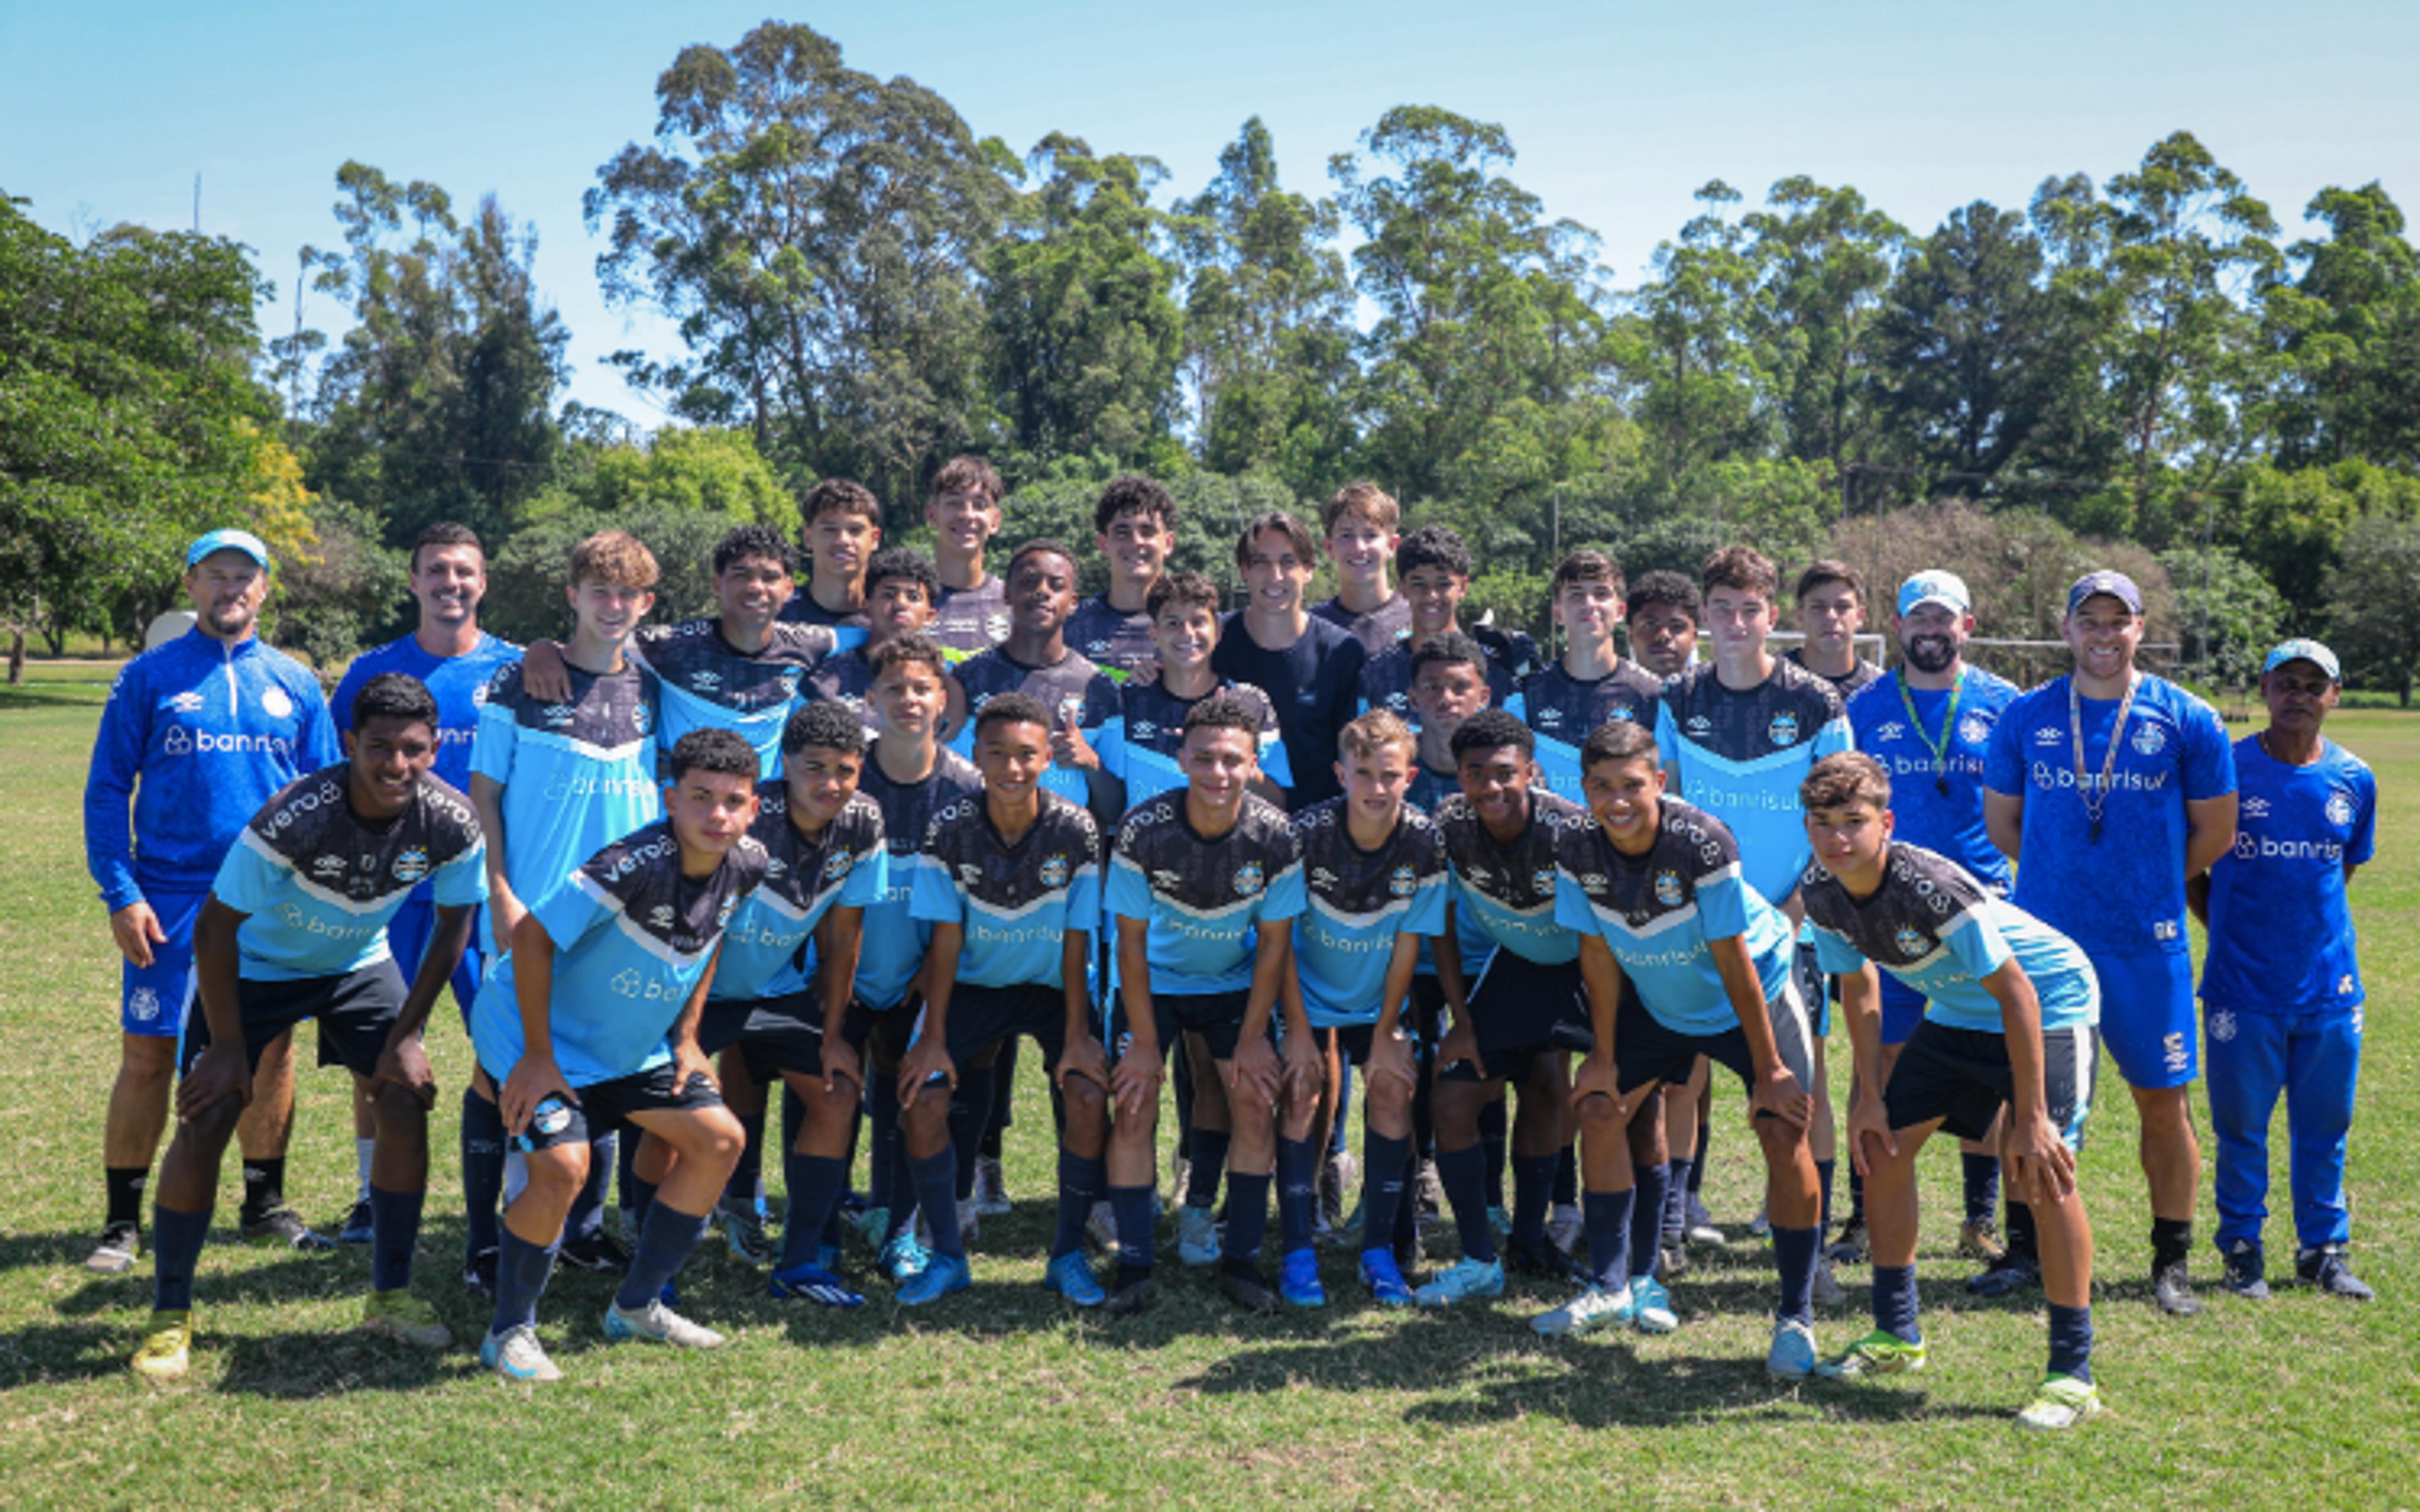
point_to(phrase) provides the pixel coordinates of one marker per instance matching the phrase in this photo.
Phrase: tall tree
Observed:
(1684, 352)
(2350, 323)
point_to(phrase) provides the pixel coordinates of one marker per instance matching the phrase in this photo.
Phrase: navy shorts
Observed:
(1217, 1017)
(1353, 1041)
(606, 1105)
(1645, 1050)
(1520, 1010)
(2148, 1018)
(1963, 1077)
(778, 1035)
(983, 1020)
(356, 1012)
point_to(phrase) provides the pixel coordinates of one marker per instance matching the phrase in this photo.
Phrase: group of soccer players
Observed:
(855, 839)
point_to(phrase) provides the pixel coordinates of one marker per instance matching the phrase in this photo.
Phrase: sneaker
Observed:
(1698, 1228)
(991, 1187)
(2328, 1270)
(1299, 1279)
(902, 1259)
(813, 1283)
(1071, 1276)
(1591, 1309)
(1761, 1227)
(168, 1350)
(1565, 1227)
(1133, 1297)
(116, 1253)
(400, 1315)
(1792, 1356)
(944, 1274)
(2016, 1272)
(1461, 1281)
(600, 1250)
(2060, 1402)
(970, 1220)
(1881, 1352)
(1653, 1312)
(1385, 1279)
(1979, 1239)
(516, 1355)
(1197, 1236)
(1101, 1227)
(743, 1229)
(480, 1273)
(1827, 1291)
(2172, 1289)
(1245, 1290)
(1850, 1247)
(1544, 1260)
(658, 1324)
(282, 1226)
(359, 1227)
(2246, 1273)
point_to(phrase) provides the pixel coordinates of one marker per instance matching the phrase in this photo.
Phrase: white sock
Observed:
(362, 1151)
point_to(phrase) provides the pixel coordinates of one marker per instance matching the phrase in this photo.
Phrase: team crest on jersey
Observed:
(1668, 889)
(2339, 809)
(188, 702)
(1893, 730)
(1910, 943)
(661, 915)
(411, 865)
(790, 677)
(277, 703)
(1543, 880)
(641, 720)
(1403, 882)
(1973, 730)
(179, 741)
(144, 1003)
(1784, 728)
(2222, 1025)
(996, 625)
(2148, 740)
(1248, 879)
(837, 866)
(1054, 871)
(552, 1117)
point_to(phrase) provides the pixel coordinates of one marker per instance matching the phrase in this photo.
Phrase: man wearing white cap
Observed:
(2281, 984)
(1929, 721)
(196, 737)
(2109, 787)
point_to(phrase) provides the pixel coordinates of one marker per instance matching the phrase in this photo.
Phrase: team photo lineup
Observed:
(1348, 908)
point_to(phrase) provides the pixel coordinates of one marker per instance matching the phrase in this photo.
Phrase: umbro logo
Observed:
(1893, 730)
(2256, 807)
(661, 915)
(188, 702)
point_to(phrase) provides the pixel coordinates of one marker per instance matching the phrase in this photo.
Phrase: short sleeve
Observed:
(1836, 736)
(1668, 736)
(1274, 764)
(2210, 756)
(1835, 955)
(1427, 914)
(1288, 894)
(569, 911)
(1084, 896)
(462, 882)
(494, 741)
(868, 880)
(320, 744)
(1572, 910)
(1722, 903)
(1129, 891)
(934, 896)
(2363, 843)
(1976, 944)
(1110, 744)
(250, 877)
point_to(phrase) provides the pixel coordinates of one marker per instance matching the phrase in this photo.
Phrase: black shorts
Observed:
(605, 1106)
(1645, 1051)
(356, 1012)
(1217, 1017)
(1963, 1077)
(1353, 1041)
(983, 1020)
(1521, 1011)
(776, 1035)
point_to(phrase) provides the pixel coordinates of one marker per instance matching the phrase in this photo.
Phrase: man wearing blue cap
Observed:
(2109, 787)
(2281, 984)
(196, 737)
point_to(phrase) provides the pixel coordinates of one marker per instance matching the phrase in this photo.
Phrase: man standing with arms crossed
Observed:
(2110, 787)
(195, 737)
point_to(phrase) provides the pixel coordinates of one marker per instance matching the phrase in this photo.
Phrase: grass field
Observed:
(999, 1398)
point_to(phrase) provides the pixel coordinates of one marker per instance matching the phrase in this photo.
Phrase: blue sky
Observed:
(1619, 110)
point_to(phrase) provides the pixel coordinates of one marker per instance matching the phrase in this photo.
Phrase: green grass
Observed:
(999, 1398)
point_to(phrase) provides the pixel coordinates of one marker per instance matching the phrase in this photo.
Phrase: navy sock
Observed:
(1493, 1126)
(638, 1199)
(2171, 1240)
(1081, 1180)
(1611, 1219)
(1676, 1198)
(1533, 1179)
(1209, 1162)
(1895, 1302)
(1794, 1255)
(937, 1193)
(125, 1186)
(177, 1240)
(395, 1218)
(1131, 1206)
(1567, 1179)
(1857, 1196)
(969, 1114)
(1406, 1235)
(1647, 1222)
(2020, 1230)
(2071, 1342)
(1982, 1186)
(664, 1245)
(884, 1187)
(1463, 1173)
(587, 1216)
(1298, 1192)
(1247, 1217)
(794, 1116)
(746, 1181)
(1824, 1169)
(521, 1269)
(483, 1172)
(814, 1183)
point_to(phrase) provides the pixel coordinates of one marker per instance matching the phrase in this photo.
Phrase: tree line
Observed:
(861, 286)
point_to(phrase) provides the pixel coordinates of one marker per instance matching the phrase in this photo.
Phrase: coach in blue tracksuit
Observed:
(195, 737)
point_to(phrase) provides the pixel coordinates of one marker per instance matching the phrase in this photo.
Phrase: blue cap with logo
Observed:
(2115, 584)
(2300, 649)
(1935, 587)
(226, 540)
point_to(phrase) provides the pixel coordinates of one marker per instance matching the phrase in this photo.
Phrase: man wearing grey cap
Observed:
(2281, 984)
(198, 734)
(2109, 787)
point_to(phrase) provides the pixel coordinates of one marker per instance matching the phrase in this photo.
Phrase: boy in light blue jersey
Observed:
(553, 781)
(1198, 883)
(592, 1017)
(782, 1004)
(1011, 885)
(2110, 788)
(1375, 876)
(2009, 1024)
(295, 929)
(1591, 681)
(2281, 984)
(1656, 890)
(1139, 744)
